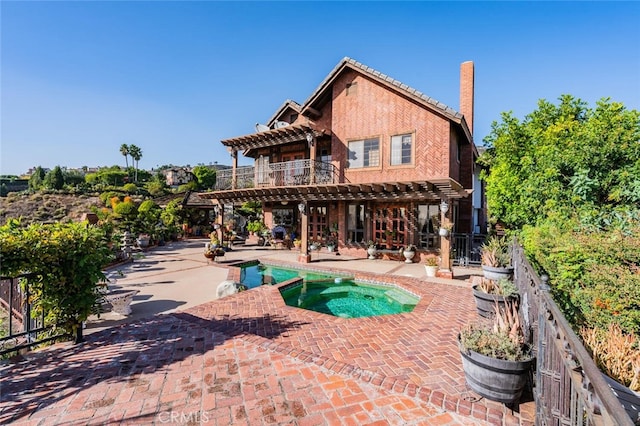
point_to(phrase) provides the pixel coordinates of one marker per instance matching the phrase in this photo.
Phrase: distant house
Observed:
(365, 158)
(177, 176)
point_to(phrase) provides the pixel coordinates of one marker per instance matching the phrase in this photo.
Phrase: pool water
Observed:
(257, 275)
(349, 299)
(331, 294)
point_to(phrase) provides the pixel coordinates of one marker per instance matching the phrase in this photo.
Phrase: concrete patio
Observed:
(182, 357)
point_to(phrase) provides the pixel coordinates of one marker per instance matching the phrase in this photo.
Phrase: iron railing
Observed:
(569, 388)
(288, 173)
(466, 249)
(18, 328)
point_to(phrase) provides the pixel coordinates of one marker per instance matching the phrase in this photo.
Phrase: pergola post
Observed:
(234, 168)
(304, 257)
(445, 243)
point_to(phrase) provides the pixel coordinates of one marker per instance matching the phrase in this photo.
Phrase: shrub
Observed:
(616, 353)
(66, 260)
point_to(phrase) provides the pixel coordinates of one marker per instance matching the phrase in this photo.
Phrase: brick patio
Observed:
(250, 359)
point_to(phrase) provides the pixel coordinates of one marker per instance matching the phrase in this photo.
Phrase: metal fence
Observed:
(569, 388)
(18, 328)
(466, 249)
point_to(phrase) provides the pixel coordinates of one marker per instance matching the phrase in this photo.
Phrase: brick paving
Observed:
(249, 359)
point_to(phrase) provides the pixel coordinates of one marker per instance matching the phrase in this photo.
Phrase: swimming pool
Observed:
(331, 294)
(349, 299)
(261, 274)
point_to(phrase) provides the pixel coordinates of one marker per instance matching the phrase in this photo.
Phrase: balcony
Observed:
(288, 173)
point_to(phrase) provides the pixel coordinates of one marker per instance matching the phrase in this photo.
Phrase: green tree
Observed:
(124, 150)
(564, 159)
(37, 179)
(136, 155)
(54, 179)
(206, 177)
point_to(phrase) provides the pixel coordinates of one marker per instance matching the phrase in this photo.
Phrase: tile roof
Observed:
(388, 81)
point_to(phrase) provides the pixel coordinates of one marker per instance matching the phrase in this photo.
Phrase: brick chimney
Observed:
(466, 93)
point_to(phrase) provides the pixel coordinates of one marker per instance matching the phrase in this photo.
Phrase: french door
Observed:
(391, 225)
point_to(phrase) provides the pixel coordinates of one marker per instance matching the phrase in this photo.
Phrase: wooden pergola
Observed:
(438, 189)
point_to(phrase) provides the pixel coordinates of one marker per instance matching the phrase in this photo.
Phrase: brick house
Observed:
(365, 158)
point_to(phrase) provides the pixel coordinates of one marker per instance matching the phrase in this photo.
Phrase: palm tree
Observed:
(124, 150)
(136, 155)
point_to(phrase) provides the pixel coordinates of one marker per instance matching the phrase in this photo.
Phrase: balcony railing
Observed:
(288, 173)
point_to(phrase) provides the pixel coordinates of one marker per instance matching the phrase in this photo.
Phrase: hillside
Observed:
(43, 208)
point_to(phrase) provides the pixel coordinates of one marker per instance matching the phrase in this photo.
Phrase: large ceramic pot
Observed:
(495, 379)
(408, 256)
(497, 273)
(485, 302)
(372, 251)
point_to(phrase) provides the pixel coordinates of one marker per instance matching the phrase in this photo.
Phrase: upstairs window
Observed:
(364, 153)
(401, 150)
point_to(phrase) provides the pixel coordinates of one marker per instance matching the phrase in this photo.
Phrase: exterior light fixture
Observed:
(302, 208)
(310, 138)
(444, 207)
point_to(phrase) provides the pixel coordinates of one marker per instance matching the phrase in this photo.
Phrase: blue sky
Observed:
(78, 79)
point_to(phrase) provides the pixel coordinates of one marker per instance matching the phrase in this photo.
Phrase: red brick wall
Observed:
(466, 92)
(372, 110)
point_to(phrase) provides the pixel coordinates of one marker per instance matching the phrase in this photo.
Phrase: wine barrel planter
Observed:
(497, 273)
(485, 302)
(495, 379)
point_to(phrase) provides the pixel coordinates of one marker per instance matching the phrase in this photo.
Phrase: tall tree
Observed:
(54, 179)
(37, 179)
(136, 155)
(564, 160)
(124, 150)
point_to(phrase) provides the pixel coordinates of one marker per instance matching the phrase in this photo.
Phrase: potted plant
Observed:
(409, 253)
(445, 230)
(143, 240)
(372, 250)
(488, 293)
(495, 359)
(496, 259)
(431, 266)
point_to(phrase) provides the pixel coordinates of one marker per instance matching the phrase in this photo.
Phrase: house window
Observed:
(364, 153)
(401, 150)
(355, 223)
(283, 217)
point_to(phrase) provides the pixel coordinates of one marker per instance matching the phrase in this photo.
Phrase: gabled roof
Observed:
(287, 104)
(322, 94)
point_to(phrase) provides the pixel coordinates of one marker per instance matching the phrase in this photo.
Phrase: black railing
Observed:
(466, 249)
(569, 388)
(19, 329)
